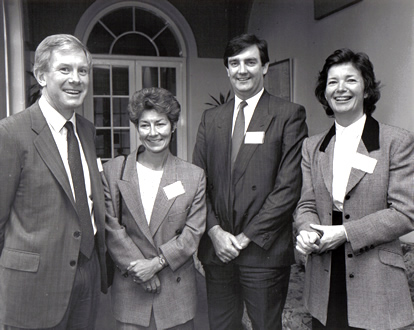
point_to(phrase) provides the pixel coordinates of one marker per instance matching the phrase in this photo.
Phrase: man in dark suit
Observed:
(251, 154)
(52, 238)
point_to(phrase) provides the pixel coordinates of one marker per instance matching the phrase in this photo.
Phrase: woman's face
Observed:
(154, 130)
(345, 93)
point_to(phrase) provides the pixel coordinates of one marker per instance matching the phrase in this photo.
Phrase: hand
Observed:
(307, 242)
(152, 286)
(143, 269)
(243, 240)
(333, 236)
(226, 245)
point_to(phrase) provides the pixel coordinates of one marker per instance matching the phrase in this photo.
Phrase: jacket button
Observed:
(347, 216)
(254, 187)
(350, 255)
(72, 263)
(347, 197)
(372, 247)
(351, 275)
(178, 231)
(76, 234)
(178, 279)
(361, 250)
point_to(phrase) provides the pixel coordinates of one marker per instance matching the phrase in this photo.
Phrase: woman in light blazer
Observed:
(357, 200)
(152, 242)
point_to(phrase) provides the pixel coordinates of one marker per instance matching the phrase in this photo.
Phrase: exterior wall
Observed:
(381, 28)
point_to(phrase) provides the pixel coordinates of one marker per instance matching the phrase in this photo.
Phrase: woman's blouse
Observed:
(149, 181)
(346, 145)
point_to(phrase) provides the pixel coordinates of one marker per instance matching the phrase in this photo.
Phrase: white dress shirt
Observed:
(346, 144)
(248, 109)
(56, 124)
(149, 182)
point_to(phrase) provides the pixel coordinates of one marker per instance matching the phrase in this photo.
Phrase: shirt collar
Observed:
(355, 129)
(251, 102)
(53, 117)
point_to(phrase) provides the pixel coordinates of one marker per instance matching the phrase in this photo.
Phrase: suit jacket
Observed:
(260, 198)
(38, 219)
(175, 229)
(378, 209)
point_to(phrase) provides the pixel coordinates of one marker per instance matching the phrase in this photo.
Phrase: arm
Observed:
(389, 223)
(225, 244)
(180, 248)
(277, 209)
(9, 177)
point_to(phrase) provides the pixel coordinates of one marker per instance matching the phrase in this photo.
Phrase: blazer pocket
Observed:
(20, 260)
(181, 216)
(391, 258)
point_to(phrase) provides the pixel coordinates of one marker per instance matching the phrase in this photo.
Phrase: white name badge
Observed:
(99, 163)
(254, 138)
(173, 190)
(364, 163)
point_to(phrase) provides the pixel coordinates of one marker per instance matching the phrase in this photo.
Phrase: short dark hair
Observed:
(362, 63)
(236, 45)
(154, 98)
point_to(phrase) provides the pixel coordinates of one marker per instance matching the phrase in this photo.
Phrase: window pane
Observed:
(101, 81)
(168, 80)
(102, 112)
(121, 142)
(103, 143)
(149, 77)
(120, 115)
(133, 44)
(120, 81)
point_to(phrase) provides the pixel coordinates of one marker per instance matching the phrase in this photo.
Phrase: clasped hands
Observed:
(144, 272)
(323, 239)
(226, 245)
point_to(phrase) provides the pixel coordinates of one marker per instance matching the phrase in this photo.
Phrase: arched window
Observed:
(134, 45)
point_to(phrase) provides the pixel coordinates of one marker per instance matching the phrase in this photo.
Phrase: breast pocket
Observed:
(20, 260)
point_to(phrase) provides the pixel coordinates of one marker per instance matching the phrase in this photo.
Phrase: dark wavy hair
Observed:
(362, 63)
(154, 98)
(236, 45)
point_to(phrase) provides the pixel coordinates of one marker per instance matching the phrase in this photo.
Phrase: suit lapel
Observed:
(162, 204)
(369, 142)
(129, 189)
(48, 151)
(259, 123)
(326, 158)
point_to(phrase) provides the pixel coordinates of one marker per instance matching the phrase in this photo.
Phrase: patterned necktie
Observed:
(238, 133)
(78, 180)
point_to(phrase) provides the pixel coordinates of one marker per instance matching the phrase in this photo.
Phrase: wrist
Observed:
(162, 262)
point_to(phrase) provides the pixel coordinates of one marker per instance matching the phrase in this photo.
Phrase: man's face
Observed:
(65, 84)
(246, 72)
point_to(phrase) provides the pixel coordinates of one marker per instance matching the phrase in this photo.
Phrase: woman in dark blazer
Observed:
(163, 217)
(357, 200)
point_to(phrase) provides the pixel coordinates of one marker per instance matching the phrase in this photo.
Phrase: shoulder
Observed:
(113, 166)
(279, 103)
(187, 169)
(395, 137)
(82, 121)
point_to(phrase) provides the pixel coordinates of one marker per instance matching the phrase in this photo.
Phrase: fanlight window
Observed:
(133, 31)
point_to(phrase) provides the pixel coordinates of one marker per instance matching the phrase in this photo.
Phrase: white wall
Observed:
(381, 28)
(207, 76)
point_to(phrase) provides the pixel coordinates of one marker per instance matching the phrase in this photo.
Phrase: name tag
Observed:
(254, 138)
(99, 163)
(364, 163)
(173, 190)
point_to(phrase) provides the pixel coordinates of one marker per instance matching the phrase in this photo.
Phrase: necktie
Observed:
(78, 180)
(238, 133)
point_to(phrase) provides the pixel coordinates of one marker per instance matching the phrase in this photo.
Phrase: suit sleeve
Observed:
(179, 249)
(10, 166)
(276, 212)
(306, 213)
(121, 247)
(398, 219)
(200, 159)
